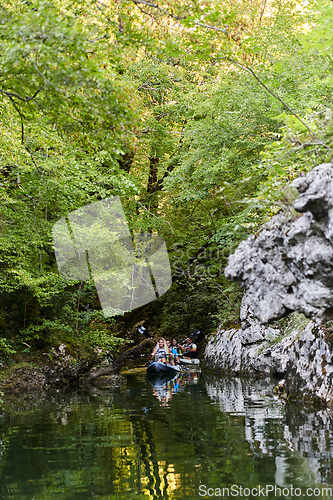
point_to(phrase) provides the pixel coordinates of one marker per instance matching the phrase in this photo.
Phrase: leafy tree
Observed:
(196, 113)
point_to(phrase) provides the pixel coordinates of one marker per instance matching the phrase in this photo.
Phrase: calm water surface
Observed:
(142, 441)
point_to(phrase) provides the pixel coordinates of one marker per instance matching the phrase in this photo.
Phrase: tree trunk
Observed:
(152, 179)
(126, 160)
(114, 369)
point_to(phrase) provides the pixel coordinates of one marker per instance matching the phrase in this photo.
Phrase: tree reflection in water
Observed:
(152, 442)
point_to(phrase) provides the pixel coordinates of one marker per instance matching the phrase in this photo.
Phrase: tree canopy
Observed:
(197, 114)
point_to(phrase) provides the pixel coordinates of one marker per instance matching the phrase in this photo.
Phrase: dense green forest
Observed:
(196, 113)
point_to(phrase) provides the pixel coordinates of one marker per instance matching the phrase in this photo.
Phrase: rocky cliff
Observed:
(301, 354)
(287, 266)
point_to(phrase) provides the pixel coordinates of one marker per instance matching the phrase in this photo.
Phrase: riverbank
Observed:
(296, 352)
(65, 366)
(58, 369)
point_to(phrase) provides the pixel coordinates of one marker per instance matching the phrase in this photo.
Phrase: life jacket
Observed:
(188, 346)
(161, 353)
(175, 351)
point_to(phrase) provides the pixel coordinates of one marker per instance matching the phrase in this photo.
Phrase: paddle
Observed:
(144, 331)
(150, 355)
(195, 332)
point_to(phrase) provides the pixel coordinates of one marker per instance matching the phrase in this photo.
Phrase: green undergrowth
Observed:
(294, 324)
(10, 369)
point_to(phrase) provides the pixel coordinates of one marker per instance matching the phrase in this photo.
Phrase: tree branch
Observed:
(145, 83)
(249, 70)
(211, 27)
(17, 109)
(144, 12)
(141, 205)
(106, 36)
(18, 96)
(114, 369)
(210, 215)
(154, 6)
(99, 8)
(214, 283)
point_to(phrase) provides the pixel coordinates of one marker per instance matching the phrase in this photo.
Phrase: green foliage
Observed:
(39, 334)
(198, 119)
(98, 335)
(6, 348)
(46, 71)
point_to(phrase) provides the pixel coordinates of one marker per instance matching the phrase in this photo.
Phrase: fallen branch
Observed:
(114, 369)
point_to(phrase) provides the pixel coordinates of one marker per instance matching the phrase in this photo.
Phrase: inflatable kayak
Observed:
(163, 368)
(190, 362)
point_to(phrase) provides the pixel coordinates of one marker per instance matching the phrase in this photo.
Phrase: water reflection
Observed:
(149, 441)
(165, 387)
(310, 434)
(280, 430)
(255, 401)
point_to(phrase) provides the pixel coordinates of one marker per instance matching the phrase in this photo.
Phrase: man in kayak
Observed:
(190, 349)
(171, 357)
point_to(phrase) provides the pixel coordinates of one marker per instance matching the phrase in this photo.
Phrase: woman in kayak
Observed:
(161, 352)
(175, 350)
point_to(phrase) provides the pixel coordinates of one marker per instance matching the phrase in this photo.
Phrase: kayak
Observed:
(158, 367)
(190, 362)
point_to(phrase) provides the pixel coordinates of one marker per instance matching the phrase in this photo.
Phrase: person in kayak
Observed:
(161, 351)
(175, 350)
(172, 357)
(168, 343)
(189, 349)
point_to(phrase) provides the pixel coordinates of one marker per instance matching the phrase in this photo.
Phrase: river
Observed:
(200, 436)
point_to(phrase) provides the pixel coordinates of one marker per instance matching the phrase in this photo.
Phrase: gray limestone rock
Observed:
(251, 350)
(309, 371)
(304, 356)
(288, 265)
(227, 353)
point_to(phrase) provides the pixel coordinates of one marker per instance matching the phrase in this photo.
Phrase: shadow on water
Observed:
(162, 439)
